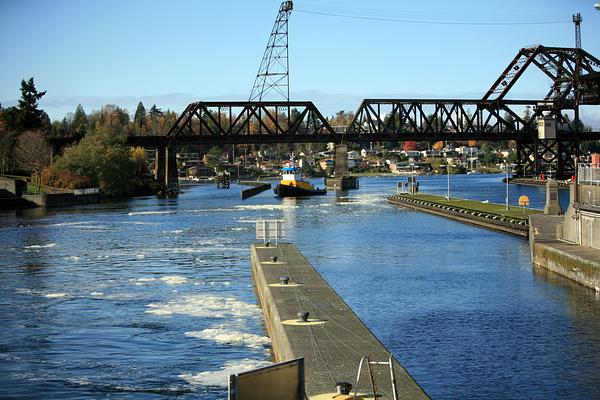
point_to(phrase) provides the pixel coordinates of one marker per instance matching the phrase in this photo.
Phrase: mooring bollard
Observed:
(303, 316)
(284, 279)
(274, 259)
(343, 387)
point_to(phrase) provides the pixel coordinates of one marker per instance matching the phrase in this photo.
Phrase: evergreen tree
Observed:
(155, 111)
(139, 119)
(154, 114)
(80, 122)
(29, 117)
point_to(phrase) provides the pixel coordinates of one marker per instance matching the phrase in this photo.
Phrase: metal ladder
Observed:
(389, 363)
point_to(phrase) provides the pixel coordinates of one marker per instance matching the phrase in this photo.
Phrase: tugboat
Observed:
(292, 185)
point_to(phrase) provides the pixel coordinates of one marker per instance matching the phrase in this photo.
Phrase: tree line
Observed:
(99, 157)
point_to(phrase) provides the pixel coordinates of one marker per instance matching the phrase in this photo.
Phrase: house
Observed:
(327, 163)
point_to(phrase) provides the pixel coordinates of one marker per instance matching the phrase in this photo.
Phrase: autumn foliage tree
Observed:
(439, 145)
(409, 145)
(32, 154)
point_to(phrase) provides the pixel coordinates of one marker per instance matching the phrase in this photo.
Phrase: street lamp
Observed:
(506, 171)
(448, 170)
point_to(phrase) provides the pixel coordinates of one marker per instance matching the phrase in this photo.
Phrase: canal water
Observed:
(153, 298)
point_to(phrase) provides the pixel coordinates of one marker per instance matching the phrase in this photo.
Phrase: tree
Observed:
(139, 119)
(29, 116)
(213, 157)
(138, 157)
(409, 145)
(6, 146)
(439, 145)
(32, 153)
(154, 114)
(103, 157)
(490, 156)
(80, 122)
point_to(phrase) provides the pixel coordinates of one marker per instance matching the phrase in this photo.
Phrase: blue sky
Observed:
(173, 52)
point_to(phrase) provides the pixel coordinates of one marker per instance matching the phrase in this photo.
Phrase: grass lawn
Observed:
(473, 205)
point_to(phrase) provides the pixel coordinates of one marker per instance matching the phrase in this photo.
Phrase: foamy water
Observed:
(55, 295)
(174, 280)
(132, 213)
(205, 306)
(41, 246)
(225, 334)
(266, 207)
(221, 376)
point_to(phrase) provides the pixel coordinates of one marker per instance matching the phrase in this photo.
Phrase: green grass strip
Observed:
(514, 212)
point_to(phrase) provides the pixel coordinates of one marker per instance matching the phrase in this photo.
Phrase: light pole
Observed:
(506, 171)
(448, 169)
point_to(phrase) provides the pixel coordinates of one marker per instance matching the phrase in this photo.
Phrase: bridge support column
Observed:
(341, 160)
(171, 173)
(342, 180)
(160, 164)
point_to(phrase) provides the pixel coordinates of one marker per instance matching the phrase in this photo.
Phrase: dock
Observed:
(256, 188)
(487, 215)
(332, 340)
(563, 184)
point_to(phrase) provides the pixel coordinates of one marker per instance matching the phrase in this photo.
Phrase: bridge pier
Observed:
(342, 179)
(165, 166)
(160, 164)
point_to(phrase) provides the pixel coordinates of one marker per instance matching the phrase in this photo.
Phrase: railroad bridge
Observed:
(575, 77)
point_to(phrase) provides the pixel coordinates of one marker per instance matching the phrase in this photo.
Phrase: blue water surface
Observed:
(153, 298)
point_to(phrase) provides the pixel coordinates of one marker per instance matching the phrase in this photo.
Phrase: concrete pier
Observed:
(342, 179)
(333, 340)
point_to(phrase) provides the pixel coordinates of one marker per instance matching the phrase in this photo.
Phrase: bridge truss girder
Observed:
(237, 122)
(392, 120)
(575, 74)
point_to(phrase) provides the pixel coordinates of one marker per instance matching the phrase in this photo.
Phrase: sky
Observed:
(170, 53)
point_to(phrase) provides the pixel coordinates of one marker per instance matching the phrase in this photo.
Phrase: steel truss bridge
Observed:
(575, 76)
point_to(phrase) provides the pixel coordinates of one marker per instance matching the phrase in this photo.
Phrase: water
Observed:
(153, 298)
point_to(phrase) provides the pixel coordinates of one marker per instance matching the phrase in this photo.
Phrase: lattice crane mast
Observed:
(273, 73)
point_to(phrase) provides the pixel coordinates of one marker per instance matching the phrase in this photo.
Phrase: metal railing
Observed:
(588, 174)
(78, 192)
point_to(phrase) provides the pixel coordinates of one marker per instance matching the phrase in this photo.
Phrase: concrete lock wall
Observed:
(588, 194)
(582, 226)
(583, 271)
(590, 229)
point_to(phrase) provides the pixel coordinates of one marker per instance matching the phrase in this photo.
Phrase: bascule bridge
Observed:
(544, 134)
